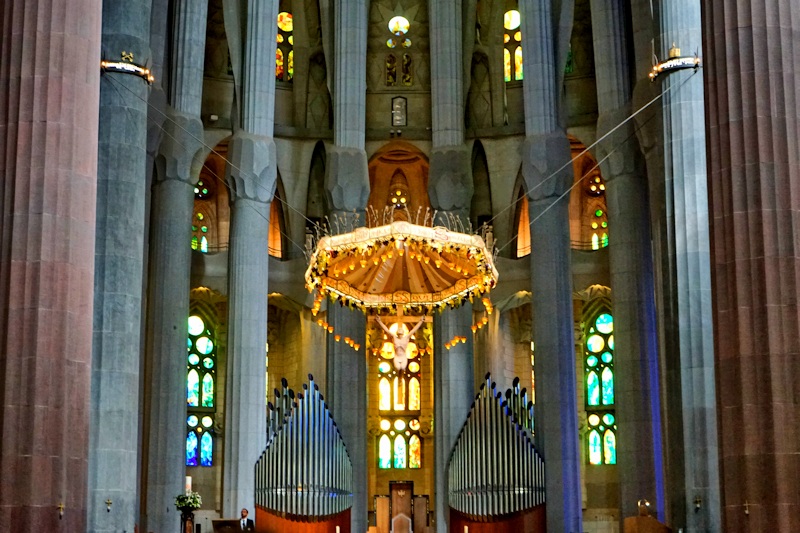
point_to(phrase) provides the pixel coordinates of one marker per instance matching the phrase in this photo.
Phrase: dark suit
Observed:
(250, 525)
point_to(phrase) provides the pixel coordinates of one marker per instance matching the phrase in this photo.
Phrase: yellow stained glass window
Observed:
(414, 452)
(414, 395)
(511, 19)
(279, 64)
(399, 394)
(518, 63)
(285, 22)
(399, 25)
(385, 395)
(507, 65)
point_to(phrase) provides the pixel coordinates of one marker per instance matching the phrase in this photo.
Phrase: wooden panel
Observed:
(420, 514)
(267, 522)
(382, 514)
(401, 493)
(531, 521)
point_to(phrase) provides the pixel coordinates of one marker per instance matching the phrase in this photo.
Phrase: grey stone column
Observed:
(170, 266)
(49, 89)
(116, 354)
(252, 174)
(637, 392)
(686, 185)
(753, 175)
(347, 183)
(548, 175)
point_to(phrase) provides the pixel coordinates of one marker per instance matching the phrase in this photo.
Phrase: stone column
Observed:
(548, 175)
(116, 354)
(347, 184)
(252, 175)
(170, 266)
(49, 87)
(450, 190)
(752, 85)
(686, 184)
(637, 392)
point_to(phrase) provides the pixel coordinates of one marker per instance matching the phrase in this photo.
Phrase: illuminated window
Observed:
(596, 191)
(523, 225)
(512, 43)
(599, 387)
(400, 405)
(203, 193)
(398, 27)
(284, 54)
(201, 371)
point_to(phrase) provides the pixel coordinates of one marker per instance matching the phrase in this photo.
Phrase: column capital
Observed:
(181, 147)
(252, 170)
(450, 187)
(347, 179)
(619, 151)
(546, 165)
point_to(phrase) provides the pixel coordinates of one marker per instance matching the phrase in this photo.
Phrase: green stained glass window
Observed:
(200, 391)
(194, 242)
(507, 65)
(595, 448)
(600, 394)
(385, 452)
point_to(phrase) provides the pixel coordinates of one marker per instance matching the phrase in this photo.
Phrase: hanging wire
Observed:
(211, 149)
(588, 148)
(597, 165)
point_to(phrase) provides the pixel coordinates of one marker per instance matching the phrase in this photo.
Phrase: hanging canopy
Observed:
(401, 267)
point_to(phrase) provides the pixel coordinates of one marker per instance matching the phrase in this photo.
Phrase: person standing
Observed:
(246, 524)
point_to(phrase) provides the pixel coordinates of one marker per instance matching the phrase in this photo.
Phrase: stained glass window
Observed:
(284, 54)
(512, 39)
(399, 396)
(201, 371)
(203, 192)
(596, 190)
(600, 395)
(398, 29)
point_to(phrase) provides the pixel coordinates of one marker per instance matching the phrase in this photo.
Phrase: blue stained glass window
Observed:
(605, 323)
(608, 386)
(206, 449)
(208, 390)
(595, 448)
(191, 449)
(399, 452)
(592, 389)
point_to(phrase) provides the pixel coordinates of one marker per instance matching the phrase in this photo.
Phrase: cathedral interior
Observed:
(238, 241)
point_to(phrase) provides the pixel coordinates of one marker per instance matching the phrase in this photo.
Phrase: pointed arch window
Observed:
(202, 217)
(284, 54)
(399, 403)
(200, 391)
(600, 388)
(512, 46)
(523, 225)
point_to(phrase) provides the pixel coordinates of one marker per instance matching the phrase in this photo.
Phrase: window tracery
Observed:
(284, 54)
(512, 46)
(200, 391)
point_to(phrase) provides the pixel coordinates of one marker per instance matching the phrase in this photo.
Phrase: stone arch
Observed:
(384, 165)
(481, 210)
(585, 203)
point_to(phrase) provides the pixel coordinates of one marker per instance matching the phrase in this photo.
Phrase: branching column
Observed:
(49, 86)
(547, 172)
(686, 185)
(116, 350)
(170, 266)
(753, 119)
(637, 395)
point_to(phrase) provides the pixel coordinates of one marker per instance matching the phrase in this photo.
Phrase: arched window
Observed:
(599, 385)
(595, 191)
(397, 42)
(201, 402)
(512, 46)
(523, 224)
(276, 223)
(202, 218)
(399, 404)
(284, 54)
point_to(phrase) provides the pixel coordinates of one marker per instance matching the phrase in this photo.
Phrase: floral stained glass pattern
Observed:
(201, 361)
(600, 394)
(284, 54)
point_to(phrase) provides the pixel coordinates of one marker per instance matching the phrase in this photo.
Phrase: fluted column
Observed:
(547, 174)
(116, 354)
(752, 85)
(637, 392)
(686, 184)
(170, 266)
(347, 183)
(48, 162)
(252, 175)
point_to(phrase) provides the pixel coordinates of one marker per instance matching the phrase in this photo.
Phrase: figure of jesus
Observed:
(400, 341)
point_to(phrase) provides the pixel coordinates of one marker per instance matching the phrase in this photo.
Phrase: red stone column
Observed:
(49, 90)
(753, 121)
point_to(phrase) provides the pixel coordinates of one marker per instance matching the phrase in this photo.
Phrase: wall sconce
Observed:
(108, 505)
(61, 507)
(698, 502)
(746, 508)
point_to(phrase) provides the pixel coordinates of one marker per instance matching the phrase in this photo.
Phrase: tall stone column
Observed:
(170, 266)
(450, 190)
(347, 185)
(116, 354)
(752, 85)
(637, 395)
(548, 175)
(686, 185)
(49, 86)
